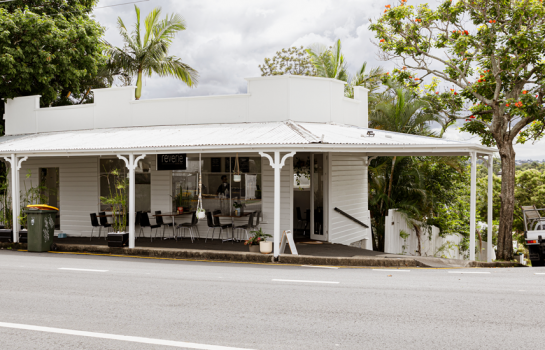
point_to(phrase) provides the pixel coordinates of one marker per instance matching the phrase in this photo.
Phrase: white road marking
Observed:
(322, 267)
(467, 272)
(392, 270)
(539, 273)
(90, 270)
(117, 337)
(303, 281)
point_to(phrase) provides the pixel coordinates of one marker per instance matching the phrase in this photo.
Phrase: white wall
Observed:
(348, 192)
(277, 98)
(78, 189)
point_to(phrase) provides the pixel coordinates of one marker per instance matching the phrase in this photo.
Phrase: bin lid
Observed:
(41, 207)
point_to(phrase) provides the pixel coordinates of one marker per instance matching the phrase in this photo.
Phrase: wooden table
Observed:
(173, 216)
(232, 215)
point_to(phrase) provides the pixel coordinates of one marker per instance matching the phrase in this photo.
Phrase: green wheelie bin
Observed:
(41, 229)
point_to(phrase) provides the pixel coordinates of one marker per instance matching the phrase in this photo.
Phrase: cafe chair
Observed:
(191, 227)
(214, 225)
(218, 223)
(144, 222)
(247, 226)
(159, 221)
(104, 222)
(94, 223)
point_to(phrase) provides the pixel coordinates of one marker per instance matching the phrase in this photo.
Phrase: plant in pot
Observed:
(6, 213)
(238, 208)
(32, 195)
(255, 242)
(117, 200)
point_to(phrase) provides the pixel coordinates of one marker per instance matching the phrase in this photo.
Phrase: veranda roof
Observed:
(266, 136)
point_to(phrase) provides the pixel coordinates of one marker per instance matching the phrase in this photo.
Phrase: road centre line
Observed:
(88, 270)
(304, 281)
(467, 272)
(539, 273)
(392, 270)
(117, 337)
(322, 267)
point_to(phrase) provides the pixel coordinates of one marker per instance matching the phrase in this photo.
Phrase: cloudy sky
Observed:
(227, 40)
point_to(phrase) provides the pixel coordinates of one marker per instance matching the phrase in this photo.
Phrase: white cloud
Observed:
(227, 40)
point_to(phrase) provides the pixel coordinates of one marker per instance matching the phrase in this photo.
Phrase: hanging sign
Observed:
(172, 161)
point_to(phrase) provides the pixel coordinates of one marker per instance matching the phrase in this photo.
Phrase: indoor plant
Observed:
(238, 208)
(255, 242)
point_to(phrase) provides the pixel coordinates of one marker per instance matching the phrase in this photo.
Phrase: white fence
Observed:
(431, 243)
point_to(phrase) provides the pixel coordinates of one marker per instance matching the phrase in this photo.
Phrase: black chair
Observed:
(256, 226)
(213, 225)
(218, 223)
(144, 222)
(190, 226)
(94, 223)
(104, 222)
(247, 226)
(159, 221)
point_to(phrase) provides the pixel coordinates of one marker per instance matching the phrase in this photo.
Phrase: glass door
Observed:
(317, 192)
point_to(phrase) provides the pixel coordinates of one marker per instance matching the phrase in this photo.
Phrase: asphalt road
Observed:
(214, 305)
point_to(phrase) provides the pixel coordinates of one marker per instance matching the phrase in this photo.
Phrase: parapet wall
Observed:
(278, 98)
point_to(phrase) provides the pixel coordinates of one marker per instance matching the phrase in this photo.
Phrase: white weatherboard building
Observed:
(284, 124)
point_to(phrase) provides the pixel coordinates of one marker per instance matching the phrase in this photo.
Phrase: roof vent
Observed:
(369, 134)
(388, 136)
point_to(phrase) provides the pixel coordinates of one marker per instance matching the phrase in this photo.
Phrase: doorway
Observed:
(49, 184)
(310, 196)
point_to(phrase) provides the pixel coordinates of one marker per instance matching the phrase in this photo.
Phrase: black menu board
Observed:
(215, 164)
(243, 162)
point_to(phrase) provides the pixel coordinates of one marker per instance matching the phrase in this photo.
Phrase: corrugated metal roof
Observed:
(232, 134)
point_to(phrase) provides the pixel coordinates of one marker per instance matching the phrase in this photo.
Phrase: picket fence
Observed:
(431, 243)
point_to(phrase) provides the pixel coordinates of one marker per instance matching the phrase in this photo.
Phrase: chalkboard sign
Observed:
(171, 161)
(215, 165)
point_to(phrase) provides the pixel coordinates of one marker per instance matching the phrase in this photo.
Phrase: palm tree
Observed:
(401, 110)
(328, 62)
(147, 53)
(371, 80)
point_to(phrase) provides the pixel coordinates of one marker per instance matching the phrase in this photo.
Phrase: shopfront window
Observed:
(142, 182)
(219, 190)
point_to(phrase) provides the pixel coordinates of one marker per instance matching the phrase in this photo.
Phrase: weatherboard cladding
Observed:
(157, 137)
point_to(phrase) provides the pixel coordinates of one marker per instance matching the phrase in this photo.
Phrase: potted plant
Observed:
(6, 232)
(238, 208)
(117, 200)
(254, 243)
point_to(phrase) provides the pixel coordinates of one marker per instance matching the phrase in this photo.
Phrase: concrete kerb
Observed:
(232, 256)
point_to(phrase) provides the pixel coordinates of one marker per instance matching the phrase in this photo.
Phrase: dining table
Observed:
(173, 215)
(233, 216)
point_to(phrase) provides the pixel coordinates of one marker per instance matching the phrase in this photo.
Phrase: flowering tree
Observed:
(492, 52)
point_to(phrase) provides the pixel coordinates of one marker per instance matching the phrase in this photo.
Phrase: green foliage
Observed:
(492, 52)
(146, 52)
(293, 61)
(259, 236)
(49, 50)
(117, 199)
(328, 62)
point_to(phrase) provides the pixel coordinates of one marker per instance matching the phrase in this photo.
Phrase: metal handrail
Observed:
(350, 217)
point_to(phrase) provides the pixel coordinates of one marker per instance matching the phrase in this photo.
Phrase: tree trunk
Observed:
(391, 177)
(505, 231)
(418, 235)
(138, 92)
